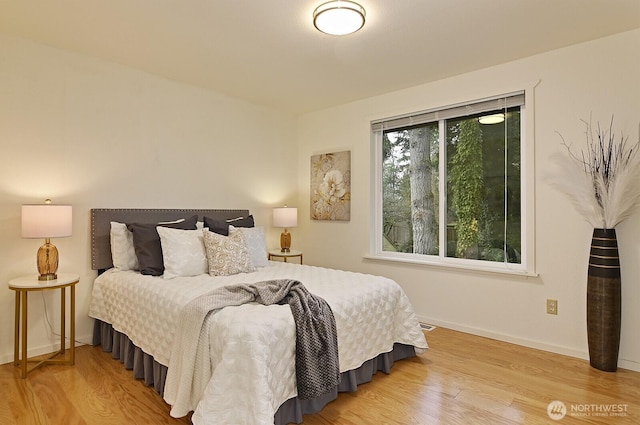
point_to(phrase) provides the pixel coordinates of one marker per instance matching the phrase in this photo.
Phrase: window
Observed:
(450, 187)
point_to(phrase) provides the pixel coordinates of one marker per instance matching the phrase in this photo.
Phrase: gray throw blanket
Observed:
(317, 368)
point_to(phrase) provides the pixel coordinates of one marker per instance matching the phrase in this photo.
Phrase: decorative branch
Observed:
(603, 182)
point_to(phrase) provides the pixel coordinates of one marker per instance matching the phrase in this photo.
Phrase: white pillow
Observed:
(227, 255)
(122, 253)
(254, 239)
(183, 252)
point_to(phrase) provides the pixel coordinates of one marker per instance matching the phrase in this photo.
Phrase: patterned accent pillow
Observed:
(227, 255)
(254, 238)
(122, 253)
(183, 252)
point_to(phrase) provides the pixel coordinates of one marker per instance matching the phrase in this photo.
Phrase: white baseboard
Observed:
(558, 349)
(47, 348)
(629, 364)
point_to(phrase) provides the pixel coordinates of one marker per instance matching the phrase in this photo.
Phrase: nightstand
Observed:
(22, 286)
(276, 253)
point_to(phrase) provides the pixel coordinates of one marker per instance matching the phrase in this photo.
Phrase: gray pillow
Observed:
(146, 243)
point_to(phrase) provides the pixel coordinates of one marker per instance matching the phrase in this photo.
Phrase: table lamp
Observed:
(47, 221)
(285, 217)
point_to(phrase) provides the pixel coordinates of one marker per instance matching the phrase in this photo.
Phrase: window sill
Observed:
(453, 265)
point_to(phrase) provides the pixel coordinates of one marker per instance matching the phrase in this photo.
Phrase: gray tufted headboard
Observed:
(101, 219)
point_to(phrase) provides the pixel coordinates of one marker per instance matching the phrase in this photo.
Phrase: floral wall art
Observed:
(331, 186)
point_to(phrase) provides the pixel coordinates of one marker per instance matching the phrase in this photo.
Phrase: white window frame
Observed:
(527, 201)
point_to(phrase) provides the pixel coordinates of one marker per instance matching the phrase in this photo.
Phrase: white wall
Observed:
(598, 78)
(93, 134)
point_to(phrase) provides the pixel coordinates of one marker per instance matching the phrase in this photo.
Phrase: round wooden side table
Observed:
(23, 286)
(278, 254)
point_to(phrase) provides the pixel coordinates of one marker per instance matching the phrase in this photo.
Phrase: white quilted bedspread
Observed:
(253, 346)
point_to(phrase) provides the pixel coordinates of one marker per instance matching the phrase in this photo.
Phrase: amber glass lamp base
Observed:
(47, 261)
(285, 241)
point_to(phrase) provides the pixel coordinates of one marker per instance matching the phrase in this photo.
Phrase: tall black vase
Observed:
(604, 301)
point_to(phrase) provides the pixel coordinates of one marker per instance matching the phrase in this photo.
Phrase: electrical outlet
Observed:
(552, 306)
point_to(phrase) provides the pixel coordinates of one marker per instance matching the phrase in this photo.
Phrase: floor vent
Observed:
(427, 327)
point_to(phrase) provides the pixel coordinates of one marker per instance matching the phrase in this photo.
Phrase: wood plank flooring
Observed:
(462, 379)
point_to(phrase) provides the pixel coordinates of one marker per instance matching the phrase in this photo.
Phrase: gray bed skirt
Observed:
(291, 411)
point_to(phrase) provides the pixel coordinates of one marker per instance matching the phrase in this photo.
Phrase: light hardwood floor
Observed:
(462, 379)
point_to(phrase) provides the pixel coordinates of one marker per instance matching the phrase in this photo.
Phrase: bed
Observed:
(252, 375)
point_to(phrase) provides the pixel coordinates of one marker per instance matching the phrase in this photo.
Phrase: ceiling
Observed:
(269, 53)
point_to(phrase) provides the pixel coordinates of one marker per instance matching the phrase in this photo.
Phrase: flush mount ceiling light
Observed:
(339, 17)
(491, 119)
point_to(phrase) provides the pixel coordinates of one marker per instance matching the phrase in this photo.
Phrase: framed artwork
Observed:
(331, 186)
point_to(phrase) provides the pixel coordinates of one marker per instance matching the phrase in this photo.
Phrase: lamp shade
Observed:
(46, 221)
(285, 217)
